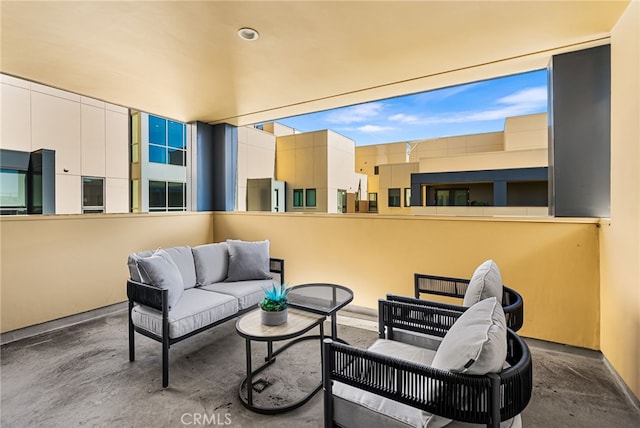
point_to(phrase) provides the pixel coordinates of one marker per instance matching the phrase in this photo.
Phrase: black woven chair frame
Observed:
(487, 399)
(156, 298)
(512, 301)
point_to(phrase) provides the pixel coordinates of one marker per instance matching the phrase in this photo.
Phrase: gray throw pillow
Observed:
(486, 282)
(248, 260)
(212, 263)
(161, 271)
(477, 342)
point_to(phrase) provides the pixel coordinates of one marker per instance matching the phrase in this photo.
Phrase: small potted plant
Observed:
(273, 307)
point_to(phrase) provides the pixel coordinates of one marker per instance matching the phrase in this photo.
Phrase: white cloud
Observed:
(519, 103)
(358, 113)
(529, 96)
(374, 128)
(404, 118)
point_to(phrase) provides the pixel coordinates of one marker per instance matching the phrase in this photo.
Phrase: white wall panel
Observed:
(15, 119)
(68, 194)
(56, 126)
(93, 141)
(116, 195)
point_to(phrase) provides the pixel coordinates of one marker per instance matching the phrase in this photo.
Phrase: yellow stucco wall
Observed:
(620, 237)
(56, 266)
(552, 263)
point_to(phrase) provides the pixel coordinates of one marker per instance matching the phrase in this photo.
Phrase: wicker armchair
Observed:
(512, 302)
(413, 387)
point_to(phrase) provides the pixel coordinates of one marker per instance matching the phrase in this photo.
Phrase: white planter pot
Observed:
(273, 318)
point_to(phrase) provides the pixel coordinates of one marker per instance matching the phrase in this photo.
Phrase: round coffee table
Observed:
(322, 299)
(250, 328)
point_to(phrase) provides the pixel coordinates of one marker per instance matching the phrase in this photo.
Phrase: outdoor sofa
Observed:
(175, 293)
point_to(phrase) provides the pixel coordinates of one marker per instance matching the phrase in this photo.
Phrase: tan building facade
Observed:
(522, 144)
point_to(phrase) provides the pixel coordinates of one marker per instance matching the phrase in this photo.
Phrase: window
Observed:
(167, 196)
(394, 197)
(297, 197)
(373, 202)
(310, 200)
(92, 195)
(452, 197)
(167, 141)
(13, 191)
(407, 196)
(376, 170)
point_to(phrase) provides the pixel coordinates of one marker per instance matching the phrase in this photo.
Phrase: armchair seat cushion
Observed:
(195, 309)
(354, 407)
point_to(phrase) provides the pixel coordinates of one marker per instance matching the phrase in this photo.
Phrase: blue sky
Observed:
(458, 110)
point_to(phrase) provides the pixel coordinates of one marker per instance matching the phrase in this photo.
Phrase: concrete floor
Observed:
(81, 376)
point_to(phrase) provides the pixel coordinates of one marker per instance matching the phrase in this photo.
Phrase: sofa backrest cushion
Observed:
(486, 282)
(211, 263)
(248, 260)
(477, 342)
(161, 271)
(183, 258)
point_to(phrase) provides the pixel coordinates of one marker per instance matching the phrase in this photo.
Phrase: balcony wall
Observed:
(62, 265)
(56, 266)
(553, 263)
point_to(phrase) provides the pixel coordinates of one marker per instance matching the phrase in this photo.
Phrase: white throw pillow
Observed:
(486, 282)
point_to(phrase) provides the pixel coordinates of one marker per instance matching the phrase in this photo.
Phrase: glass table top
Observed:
(323, 299)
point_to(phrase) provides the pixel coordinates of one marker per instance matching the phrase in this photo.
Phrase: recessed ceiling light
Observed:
(247, 33)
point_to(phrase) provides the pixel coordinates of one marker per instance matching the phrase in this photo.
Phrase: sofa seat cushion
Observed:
(195, 309)
(248, 293)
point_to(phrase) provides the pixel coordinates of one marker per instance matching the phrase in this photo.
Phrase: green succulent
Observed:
(275, 298)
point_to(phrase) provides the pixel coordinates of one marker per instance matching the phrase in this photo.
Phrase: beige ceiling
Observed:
(185, 61)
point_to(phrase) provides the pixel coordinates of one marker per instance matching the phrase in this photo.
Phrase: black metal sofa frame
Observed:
(156, 298)
(512, 301)
(487, 399)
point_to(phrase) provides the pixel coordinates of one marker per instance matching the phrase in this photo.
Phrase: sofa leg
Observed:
(132, 349)
(165, 363)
